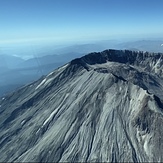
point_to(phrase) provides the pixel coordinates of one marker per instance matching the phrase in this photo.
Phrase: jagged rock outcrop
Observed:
(103, 107)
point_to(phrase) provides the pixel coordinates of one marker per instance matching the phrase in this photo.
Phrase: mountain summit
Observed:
(102, 107)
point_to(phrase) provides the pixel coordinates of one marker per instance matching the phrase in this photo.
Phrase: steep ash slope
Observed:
(102, 107)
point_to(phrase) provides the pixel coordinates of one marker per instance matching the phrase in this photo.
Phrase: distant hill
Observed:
(9, 61)
(17, 72)
(142, 45)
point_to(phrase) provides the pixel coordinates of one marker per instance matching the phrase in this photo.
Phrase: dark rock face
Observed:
(103, 107)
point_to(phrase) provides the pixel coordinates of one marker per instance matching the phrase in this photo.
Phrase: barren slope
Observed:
(102, 107)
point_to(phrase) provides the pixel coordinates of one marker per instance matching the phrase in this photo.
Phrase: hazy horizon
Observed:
(71, 20)
(29, 25)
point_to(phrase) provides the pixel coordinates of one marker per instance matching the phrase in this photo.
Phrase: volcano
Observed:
(103, 107)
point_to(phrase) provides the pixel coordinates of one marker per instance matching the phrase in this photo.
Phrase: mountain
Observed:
(45, 60)
(48, 59)
(8, 61)
(142, 45)
(17, 72)
(9, 79)
(83, 48)
(102, 107)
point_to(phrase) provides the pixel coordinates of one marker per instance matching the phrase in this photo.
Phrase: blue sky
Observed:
(79, 19)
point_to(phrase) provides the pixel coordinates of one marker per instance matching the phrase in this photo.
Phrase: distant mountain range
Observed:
(143, 45)
(9, 61)
(16, 72)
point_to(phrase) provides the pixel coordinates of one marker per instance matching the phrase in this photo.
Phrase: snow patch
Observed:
(50, 74)
(48, 81)
(146, 139)
(22, 122)
(54, 112)
(37, 131)
(62, 67)
(44, 82)
(50, 117)
(41, 84)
